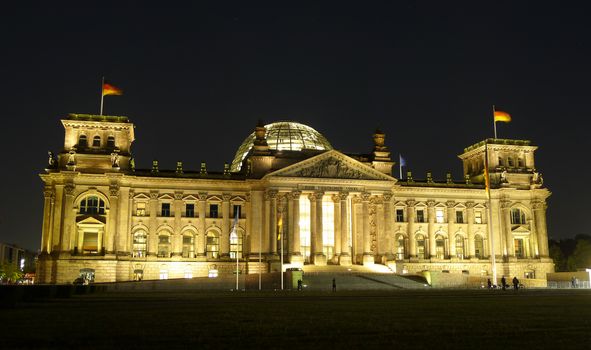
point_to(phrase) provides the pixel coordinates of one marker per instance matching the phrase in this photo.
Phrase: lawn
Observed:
(439, 319)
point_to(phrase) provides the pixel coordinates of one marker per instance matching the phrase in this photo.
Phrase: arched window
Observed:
(421, 246)
(400, 251)
(96, 141)
(111, 142)
(460, 247)
(92, 205)
(82, 141)
(440, 247)
(478, 246)
(188, 246)
(140, 244)
(212, 246)
(510, 163)
(517, 216)
(236, 245)
(164, 246)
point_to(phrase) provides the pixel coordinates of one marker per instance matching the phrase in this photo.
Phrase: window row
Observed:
(420, 216)
(165, 210)
(164, 249)
(96, 141)
(441, 251)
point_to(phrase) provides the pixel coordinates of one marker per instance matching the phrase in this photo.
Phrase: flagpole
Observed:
(494, 121)
(260, 258)
(400, 165)
(281, 242)
(102, 94)
(490, 221)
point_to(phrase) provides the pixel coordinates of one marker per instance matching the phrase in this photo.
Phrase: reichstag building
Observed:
(287, 192)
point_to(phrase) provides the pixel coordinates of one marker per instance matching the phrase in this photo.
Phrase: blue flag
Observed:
(402, 162)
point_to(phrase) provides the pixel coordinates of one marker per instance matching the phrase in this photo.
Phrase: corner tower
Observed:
(95, 143)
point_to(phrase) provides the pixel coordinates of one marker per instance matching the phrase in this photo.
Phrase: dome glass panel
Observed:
(289, 136)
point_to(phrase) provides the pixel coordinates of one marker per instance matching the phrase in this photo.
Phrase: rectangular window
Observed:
(399, 215)
(140, 209)
(213, 211)
(478, 217)
(165, 209)
(420, 215)
(519, 248)
(459, 217)
(439, 215)
(237, 210)
(190, 210)
(90, 243)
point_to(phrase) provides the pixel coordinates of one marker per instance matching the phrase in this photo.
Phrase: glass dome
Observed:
(289, 136)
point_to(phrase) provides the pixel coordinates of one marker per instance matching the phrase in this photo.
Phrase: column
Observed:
(46, 229)
(541, 229)
(432, 247)
(410, 214)
(368, 258)
(451, 228)
(388, 222)
(177, 238)
(57, 217)
(68, 222)
(316, 228)
(507, 234)
(248, 234)
(202, 236)
(111, 232)
(470, 224)
(345, 257)
(272, 220)
(225, 235)
(122, 245)
(153, 224)
(295, 248)
(337, 226)
(281, 225)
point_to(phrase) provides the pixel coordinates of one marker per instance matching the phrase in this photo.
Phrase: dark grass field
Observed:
(438, 319)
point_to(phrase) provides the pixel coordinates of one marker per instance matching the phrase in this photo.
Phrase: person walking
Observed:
(334, 284)
(489, 284)
(299, 284)
(503, 283)
(515, 283)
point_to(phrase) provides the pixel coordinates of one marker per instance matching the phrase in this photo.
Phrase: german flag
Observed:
(501, 116)
(109, 89)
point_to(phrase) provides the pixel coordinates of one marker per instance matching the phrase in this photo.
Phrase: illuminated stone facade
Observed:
(106, 219)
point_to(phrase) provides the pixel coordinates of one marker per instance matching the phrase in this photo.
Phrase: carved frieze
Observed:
(330, 167)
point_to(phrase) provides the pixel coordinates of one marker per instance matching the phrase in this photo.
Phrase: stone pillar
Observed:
(68, 222)
(470, 227)
(451, 228)
(153, 224)
(345, 257)
(272, 219)
(202, 236)
(507, 232)
(281, 236)
(111, 233)
(337, 226)
(368, 258)
(388, 222)
(47, 213)
(295, 247)
(410, 214)
(225, 235)
(57, 218)
(177, 238)
(431, 247)
(541, 228)
(248, 234)
(316, 228)
(122, 245)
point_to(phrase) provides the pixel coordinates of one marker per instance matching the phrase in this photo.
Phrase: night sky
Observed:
(197, 78)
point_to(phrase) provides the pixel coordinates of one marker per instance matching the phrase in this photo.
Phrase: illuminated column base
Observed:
(368, 259)
(297, 260)
(345, 260)
(320, 259)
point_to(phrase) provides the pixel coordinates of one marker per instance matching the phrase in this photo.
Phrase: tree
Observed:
(10, 273)
(582, 253)
(560, 262)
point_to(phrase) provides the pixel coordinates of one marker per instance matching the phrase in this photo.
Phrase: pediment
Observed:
(141, 196)
(331, 165)
(90, 221)
(166, 196)
(521, 229)
(190, 197)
